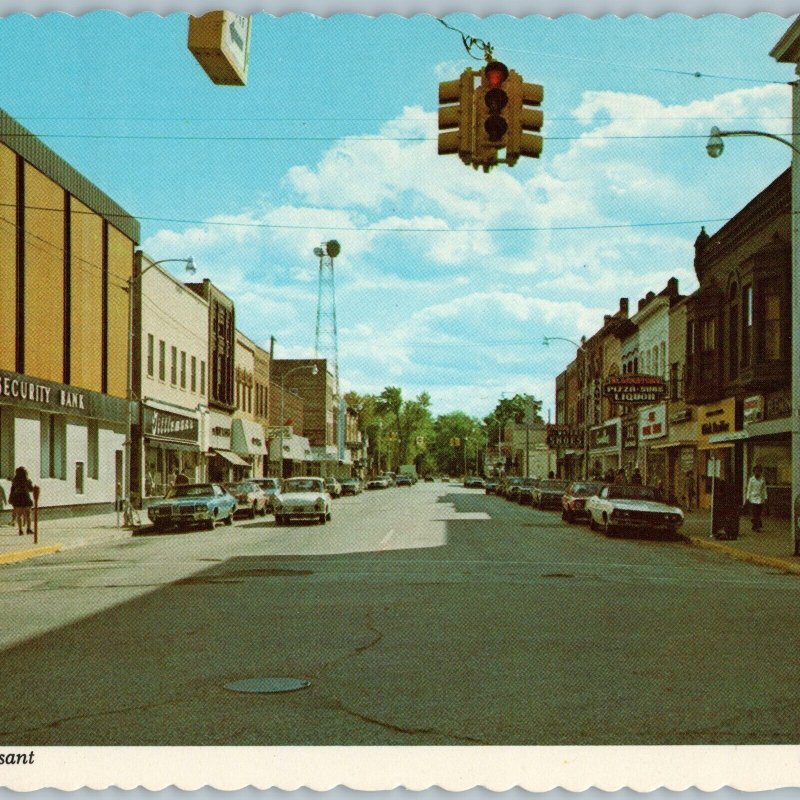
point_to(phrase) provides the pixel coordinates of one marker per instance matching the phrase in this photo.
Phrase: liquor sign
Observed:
(564, 437)
(604, 436)
(753, 409)
(635, 389)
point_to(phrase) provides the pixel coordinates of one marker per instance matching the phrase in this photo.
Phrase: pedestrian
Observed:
(755, 497)
(21, 500)
(609, 476)
(620, 476)
(181, 479)
(636, 476)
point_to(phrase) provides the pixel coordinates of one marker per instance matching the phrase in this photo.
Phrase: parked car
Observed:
(378, 482)
(491, 485)
(506, 482)
(523, 493)
(188, 504)
(333, 487)
(512, 488)
(250, 498)
(391, 478)
(404, 480)
(631, 507)
(270, 487)
(548, 493)
(474, 482)
(573, 501)
(351, 486)
(428, 479)
(303, 498)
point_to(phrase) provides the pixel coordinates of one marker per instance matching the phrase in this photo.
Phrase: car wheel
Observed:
(592, 523)
(328, 516)
(279, 519)
(323, 518)
(210, 523)
(229, 519)
(252, 512)
(264, 511)
(608, 529)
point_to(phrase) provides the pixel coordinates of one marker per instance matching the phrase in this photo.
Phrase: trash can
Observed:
(725, 509)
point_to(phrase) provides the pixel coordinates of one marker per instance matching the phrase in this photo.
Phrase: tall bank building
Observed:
(66, 260)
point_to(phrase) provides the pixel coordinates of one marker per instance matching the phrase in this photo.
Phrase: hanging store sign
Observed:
(564, 437)
(635, 389)
(652, 423)
(605, 436)
(753, 409)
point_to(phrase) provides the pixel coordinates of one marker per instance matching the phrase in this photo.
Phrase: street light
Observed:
(714, 147)
(136, 279)
(314, 371)
(547, 339)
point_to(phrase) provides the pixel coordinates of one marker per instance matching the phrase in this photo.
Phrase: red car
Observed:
(573, 503)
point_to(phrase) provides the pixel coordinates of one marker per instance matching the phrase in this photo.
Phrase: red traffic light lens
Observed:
(496, 72)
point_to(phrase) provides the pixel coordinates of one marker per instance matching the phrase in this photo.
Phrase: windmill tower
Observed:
(326, 343)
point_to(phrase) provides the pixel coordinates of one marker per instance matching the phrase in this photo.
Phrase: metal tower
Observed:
(326, 341)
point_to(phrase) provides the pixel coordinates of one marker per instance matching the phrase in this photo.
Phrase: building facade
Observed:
(66, 261)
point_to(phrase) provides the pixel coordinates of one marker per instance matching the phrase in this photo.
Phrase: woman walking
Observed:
(21, 500)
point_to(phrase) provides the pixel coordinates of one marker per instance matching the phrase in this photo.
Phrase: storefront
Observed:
(630, 443)
(768, 423)
(716, 422)
(297, 455)
(70, 440)
(171, 439)
(652, 431)
(605, 448)
(224, 466)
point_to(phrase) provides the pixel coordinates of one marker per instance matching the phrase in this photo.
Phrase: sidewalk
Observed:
(56, 535)
(771, 547)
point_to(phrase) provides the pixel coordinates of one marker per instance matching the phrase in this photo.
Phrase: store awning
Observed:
(247, 437)
(715, 446)
(295, 448)
(231, 458)
(730, 436)
(680, 443)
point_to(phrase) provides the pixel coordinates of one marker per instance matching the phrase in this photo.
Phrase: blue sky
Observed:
(334, 137)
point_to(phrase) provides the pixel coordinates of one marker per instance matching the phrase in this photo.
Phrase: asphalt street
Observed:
(427, 615)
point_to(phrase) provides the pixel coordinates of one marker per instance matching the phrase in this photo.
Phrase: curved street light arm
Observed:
(714, 145)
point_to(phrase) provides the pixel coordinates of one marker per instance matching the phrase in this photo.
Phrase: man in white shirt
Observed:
(756, 496)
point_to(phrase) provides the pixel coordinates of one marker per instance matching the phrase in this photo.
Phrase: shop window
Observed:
(772, 325)
(150, 354)
(52, 446)
(93, 450)
(79, 477)
(183, 369)
(194, 374)
(173, 371)
(162, 360)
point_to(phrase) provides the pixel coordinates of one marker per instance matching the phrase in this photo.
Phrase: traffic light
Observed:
(456, 104)
(455, 442)
(522, 117)
(491, 109)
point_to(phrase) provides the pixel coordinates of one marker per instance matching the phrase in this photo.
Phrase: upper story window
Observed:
(173, 374)
(708, 335)
(193, 377)
(773, 349)
(747, 325)
(162, 360)
(150, 354)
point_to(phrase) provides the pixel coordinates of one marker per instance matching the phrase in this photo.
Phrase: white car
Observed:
(378, 482)
(302, 498)
(630, 507)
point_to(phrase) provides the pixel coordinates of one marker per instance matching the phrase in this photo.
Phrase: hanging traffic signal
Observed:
(495, 98)
(456, 103)
(523, 115)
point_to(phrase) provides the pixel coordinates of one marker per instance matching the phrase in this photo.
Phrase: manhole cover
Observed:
(268, 685)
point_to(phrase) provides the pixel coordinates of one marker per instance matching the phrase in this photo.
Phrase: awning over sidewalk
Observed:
(681, 443)
(247, 437)
(231, 458)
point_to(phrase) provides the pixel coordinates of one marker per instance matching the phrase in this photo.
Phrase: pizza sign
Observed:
(635, 389)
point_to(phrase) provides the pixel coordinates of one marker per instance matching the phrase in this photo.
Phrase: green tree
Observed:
(449, 457)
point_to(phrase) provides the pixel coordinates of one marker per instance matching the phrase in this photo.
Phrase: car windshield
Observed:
(586, 489)
(302, 485)
(557, 486)
(268, 483)
(191, 490)
(633, 492)
(239, 487)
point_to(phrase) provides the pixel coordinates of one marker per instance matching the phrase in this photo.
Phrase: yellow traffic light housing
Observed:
(456, 109)
(523, 115)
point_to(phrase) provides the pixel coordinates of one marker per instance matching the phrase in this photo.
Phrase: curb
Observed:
(744, 555)
(33, 552)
